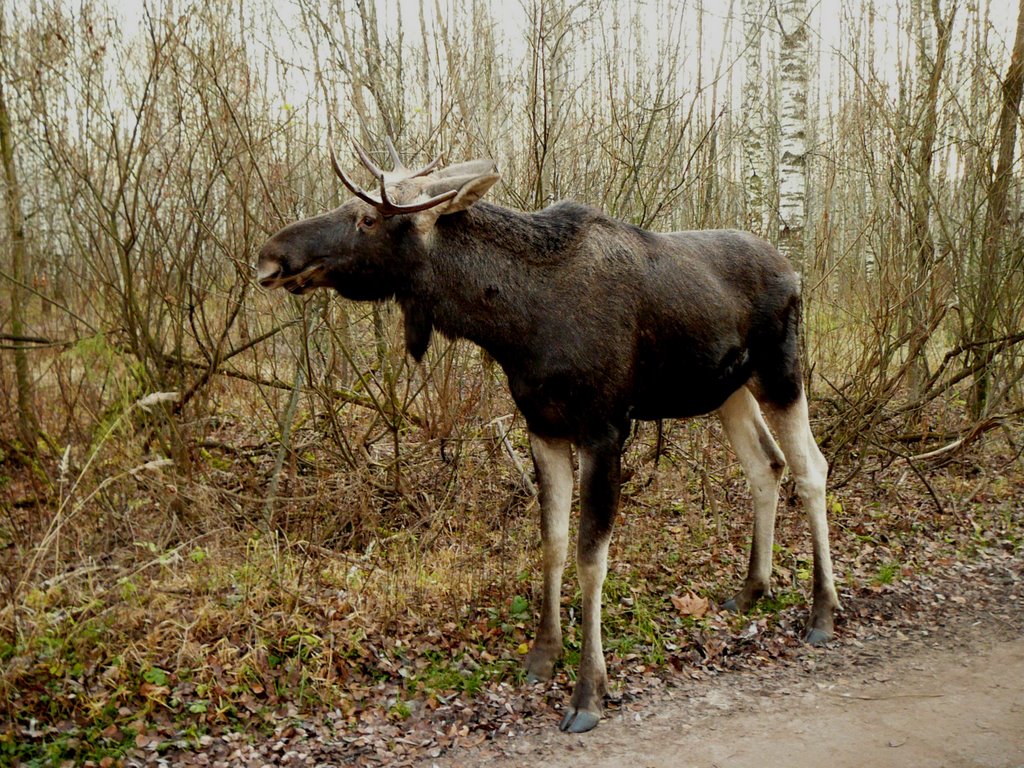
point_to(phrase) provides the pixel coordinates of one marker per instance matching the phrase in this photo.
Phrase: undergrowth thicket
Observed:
(145, 609)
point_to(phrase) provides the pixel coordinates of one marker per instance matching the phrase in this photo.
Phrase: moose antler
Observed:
(384, 205)
(401, 168)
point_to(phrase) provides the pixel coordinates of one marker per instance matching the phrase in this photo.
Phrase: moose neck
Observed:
(486, 279)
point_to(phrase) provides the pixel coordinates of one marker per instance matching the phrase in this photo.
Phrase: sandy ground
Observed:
(939, 705)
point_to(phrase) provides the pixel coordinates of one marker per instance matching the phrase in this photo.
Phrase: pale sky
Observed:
(824, 22)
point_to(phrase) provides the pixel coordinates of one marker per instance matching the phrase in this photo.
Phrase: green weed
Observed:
(887, 573)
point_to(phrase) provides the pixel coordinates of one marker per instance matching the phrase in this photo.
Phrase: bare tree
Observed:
(933, 42)
(550, 28)
(793, 57)
(755, 158)
(998, 269)
(28, 426)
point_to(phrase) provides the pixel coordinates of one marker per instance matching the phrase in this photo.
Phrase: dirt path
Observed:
(939, 706)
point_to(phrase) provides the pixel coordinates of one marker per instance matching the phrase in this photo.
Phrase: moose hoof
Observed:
(744, 600)
(540, 666)
(817, 637)
(579, 721)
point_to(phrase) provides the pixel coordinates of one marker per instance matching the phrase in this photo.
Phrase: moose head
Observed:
(368, 248)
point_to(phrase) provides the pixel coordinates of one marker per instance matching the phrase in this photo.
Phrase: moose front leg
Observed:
(599, 499)
(553, 461)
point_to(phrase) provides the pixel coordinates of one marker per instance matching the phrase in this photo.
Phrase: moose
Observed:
(595, 323)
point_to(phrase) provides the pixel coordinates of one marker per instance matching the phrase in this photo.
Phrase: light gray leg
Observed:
(810, 471)
(553, 462)
(763, 464)
(599, 499)
(592, 678)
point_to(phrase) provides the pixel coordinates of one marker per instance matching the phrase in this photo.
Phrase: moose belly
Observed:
(574, 401)
(676, 388)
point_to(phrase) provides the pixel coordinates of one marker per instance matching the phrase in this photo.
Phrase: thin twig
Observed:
(500, 432)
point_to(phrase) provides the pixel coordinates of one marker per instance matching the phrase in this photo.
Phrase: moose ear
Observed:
(470, 181)
(467, 168)
(471, 189)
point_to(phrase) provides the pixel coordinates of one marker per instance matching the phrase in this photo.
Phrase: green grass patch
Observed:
(887, 573)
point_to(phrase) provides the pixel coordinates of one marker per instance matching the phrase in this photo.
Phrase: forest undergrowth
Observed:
(147, 613)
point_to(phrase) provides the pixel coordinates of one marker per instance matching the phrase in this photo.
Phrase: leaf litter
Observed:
(421, 687)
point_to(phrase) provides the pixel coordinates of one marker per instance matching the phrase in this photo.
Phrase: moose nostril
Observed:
(267, 269)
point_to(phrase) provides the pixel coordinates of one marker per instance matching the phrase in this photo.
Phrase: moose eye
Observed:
(367, 222)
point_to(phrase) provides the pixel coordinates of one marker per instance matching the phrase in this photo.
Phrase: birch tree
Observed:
(793, 57)
(755, 168)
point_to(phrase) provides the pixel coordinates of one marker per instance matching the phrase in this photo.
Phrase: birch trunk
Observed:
(755, 171)
(793, 58)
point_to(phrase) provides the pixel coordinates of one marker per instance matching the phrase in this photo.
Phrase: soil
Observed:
(926, 671)
(938, 706)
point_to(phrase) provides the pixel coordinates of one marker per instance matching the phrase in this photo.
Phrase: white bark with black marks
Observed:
(755, 169)
(793, 56)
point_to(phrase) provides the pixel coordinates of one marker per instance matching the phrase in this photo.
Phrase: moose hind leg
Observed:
(553, 462)
(599, 498)
(810, 471)
(763, 464)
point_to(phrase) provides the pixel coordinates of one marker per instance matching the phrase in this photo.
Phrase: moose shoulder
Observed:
(595, 323)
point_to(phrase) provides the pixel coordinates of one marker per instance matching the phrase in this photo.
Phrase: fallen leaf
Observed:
(691, 605)
(151, 691)
(142, 740)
